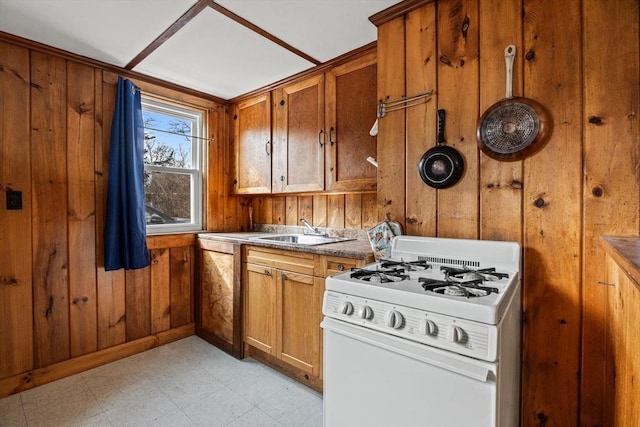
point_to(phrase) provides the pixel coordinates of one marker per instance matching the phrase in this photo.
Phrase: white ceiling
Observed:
(211, 53)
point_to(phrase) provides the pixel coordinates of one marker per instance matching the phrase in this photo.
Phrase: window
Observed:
(173, 153)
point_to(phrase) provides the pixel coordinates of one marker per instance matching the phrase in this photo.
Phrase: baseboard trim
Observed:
(36, 377)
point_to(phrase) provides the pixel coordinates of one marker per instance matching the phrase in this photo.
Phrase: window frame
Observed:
(196, 171)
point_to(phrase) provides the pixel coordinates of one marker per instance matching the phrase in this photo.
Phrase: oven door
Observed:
(375, 379)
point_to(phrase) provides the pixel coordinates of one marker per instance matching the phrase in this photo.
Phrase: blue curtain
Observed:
(125, 237)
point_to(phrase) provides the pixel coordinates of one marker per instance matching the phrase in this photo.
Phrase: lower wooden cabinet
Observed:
(260, 307)
(282, 303)
(622, 358)
(297, 326)
(219, 301)
(283, 293)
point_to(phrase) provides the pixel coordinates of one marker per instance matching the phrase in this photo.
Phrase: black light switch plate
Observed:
(14, 200)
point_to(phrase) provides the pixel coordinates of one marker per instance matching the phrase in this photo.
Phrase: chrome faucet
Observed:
(313, 230)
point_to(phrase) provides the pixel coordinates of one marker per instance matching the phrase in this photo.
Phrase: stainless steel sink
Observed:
(300, 239)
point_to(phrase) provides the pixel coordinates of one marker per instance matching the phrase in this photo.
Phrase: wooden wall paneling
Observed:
(611, 198)
(110, 284)
(181, 261)
(320, 211)
(391, 127)
(262, 210)
(369, 210)
(458, 85)
(305, 208)
(279, 210)
(161, 290)
(291, 214)
(49, 180)
(16, 309)
(421, 57)
(553, 217)
(218, 175)
(335, 211)
(83, 320)
(501, 183)
(353, 211)
(231, 214)
(242, 217)
(257, 209)
(267, 210)
(138, 303)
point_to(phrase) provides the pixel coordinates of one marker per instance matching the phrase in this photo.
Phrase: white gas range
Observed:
(436, 327)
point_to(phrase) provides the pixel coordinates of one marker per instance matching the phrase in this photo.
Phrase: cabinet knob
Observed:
(340, 267)
(267, 273)
(284, 276)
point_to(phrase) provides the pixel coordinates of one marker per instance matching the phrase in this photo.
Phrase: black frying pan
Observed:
(441, 166)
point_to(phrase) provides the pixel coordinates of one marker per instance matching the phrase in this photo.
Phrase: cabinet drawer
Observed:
(298, 262)
(334, 265)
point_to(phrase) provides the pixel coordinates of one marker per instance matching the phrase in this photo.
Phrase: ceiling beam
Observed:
(177, 25)
(226, 12)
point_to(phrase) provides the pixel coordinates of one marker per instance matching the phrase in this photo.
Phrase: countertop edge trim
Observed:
(620, 249)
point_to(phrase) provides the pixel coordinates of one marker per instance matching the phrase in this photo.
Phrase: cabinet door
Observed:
(252, 140)
(298, 321)
(260, 307)
(299, 137)
(351, 107)
(217, 292)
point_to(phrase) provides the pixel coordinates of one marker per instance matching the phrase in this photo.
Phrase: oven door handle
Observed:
(462, 365)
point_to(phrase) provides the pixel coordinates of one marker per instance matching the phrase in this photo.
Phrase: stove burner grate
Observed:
(469, 289)
(379, 275)
(466, 273)
(418, 265)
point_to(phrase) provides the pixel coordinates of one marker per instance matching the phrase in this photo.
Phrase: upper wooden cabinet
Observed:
(298, 146)
(252, 145)
(350, 109)
(320, 126)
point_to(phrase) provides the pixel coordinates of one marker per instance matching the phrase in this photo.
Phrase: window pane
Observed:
(168, 198)
(167, 140)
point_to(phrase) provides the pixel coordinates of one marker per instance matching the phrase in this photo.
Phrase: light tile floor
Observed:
(184, 383)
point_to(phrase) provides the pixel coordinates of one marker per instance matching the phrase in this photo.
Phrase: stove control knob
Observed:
(365, 312)
(456, 334)
(346, 308)
(428, 327)
(394, 319)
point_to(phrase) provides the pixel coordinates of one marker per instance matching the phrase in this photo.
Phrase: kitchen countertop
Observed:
(356, 249)
(625, 251)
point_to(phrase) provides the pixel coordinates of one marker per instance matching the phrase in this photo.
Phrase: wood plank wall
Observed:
(584, 183)
(579, 59)
(58, 306)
